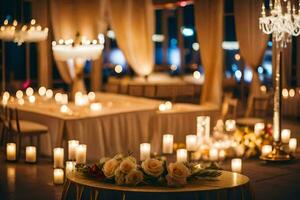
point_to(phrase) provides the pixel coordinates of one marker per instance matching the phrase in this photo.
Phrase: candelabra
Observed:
(282, 21)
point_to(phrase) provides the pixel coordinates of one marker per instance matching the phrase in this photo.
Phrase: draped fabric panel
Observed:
(70, 17)
(133, 24)
(209, 26)
(40, 12)
(251, 40)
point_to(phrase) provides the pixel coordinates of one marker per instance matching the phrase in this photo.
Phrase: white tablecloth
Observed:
(121, 126)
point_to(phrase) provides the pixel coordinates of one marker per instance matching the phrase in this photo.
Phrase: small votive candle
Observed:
(230, 125)
(30, 156)
(145, 149)
(213, 154)
(266, 149)
(285, 135)
(95, 107)
(168, 140)
(81, 154)
(58, 157)
(181, 155)
(58, 176)
(236, 165)
(258, 127)
(42, 91)
(72, 145)
(11, 151)
(31, 99)
(293, 145)
(70, 166)
(191, 142)
(222, 154)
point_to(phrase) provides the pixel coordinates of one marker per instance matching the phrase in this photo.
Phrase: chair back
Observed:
(260, 106)
(13, 117)
(4, 114)
(229, 108)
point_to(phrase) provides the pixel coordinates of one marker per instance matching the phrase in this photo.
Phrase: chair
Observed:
(229, 108)
(4, 124)
(24, 128)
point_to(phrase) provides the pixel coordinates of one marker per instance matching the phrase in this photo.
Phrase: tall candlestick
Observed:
(293, 145)
(58, 176)
(236, 165)
(58, 157)
(213, 154)
(191, 142)
(81, 154)
(11, 151)
(30, 154)
(285, 135)
(181, 155)
(266, 149)
(145, 149)
(258, 127)
(72, 145)
(168, 141)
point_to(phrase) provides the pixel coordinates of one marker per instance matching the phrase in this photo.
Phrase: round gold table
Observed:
(231, 186)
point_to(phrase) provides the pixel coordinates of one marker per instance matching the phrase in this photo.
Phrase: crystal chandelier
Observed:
(281, 20)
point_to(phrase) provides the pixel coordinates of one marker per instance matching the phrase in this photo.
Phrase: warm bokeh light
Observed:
(237, 57)
(118, 69)
(292, 92)
(285, 93)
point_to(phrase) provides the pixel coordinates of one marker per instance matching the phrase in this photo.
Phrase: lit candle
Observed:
(42, 91)
(58, 97)
(95, 107)
(70, 166)
(203, 122)
(213, 154)
(19, 94)
(230, 125)
(91, 96)
(49, 94)
(222, 154)
(181, 155)
(11, 151)
(21, 101)
(58, 157)
(168, 141)
(31, 99)
(30, 154)
(236, 165)
(58, 176)
(145, 149)
(64, 99)
(29, 91)
(293, 145)
(81, 154)
(191, 142)
(72, 145)
(285, 135)
(258, 127)
(64, 109)
(266, 149)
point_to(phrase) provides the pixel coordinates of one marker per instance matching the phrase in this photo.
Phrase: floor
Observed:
(22, 181)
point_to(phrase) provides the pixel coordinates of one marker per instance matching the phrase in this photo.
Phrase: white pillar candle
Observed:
(168, 140)
(30, 154)
(293, 145)
(145, 149)
(58, 176)
(230, 125)
(64, 99)
(81, 154)
(72, 145)
(11, 151)
(285, 135)
(70, 166)
(191, 142)
(222, 154)
(213, 154)
(236, 165)
(204, 121)
(258, 127)
(266, 149)
(58, 157)
(181, 155)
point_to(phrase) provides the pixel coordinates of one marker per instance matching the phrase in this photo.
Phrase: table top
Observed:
(227, 180)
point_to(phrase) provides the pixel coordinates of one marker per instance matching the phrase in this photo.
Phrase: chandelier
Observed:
(282, 20)
(7, 31)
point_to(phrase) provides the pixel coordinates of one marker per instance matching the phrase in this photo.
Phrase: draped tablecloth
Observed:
(122, 124)
(231, 186)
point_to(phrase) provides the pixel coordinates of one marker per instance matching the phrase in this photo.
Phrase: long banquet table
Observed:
(123, 123)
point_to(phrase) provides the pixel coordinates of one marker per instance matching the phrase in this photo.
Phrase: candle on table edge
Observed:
(213, 154)
(191, 142)
(258, 127)
(181, 155)
(236, 165)
(30, 156)
(58, 176)
(230, 125)
(11, 151)
(285, 135)
(81, 154)
(145, 149)
(168, 140)
(72, 145)
(266, 149)
(58, 157)
(70, 166)
(293, 145)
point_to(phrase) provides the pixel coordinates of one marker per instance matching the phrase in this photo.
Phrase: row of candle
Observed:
(11, 153)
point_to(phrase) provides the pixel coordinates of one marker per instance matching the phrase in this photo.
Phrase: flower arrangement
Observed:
(124, 170)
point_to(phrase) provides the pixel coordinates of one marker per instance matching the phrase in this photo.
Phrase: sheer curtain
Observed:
(209, 25)
(251, 40)
(133, 24)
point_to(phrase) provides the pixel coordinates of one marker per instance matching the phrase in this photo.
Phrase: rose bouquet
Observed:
(124, 170)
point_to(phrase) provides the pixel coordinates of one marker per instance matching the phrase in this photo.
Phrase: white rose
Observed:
(177, 174)
(127, 165)
(119, 177)
(153, 167)
(134, 177)
(110, 167)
